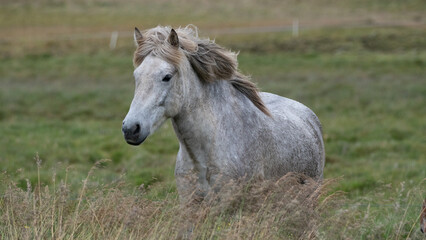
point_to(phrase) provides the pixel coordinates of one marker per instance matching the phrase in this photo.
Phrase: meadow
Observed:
(62, 100)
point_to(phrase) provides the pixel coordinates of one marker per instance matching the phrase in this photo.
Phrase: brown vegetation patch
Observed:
(287, 208)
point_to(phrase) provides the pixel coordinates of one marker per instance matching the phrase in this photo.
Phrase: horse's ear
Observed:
(137, 37)
(173, 38)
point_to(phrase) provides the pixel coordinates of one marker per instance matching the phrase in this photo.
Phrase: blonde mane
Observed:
(210, 61)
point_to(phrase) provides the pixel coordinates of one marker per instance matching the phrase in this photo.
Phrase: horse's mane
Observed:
(210, 61)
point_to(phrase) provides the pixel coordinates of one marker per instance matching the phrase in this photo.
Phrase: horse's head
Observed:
(168, 68)
(158, 89)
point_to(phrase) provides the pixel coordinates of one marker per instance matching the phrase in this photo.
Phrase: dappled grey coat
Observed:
(226, 128)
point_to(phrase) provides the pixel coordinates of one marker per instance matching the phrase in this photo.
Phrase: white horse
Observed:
(226, 128)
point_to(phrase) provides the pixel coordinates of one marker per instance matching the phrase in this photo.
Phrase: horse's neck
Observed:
(216, 115)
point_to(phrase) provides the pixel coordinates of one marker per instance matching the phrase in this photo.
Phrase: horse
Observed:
(227, 129)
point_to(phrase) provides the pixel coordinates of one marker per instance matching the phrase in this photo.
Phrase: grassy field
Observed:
(64, 100)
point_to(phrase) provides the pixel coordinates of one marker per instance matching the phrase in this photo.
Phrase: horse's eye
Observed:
(167, 78)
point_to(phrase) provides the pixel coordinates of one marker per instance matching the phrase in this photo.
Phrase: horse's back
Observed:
(298, 132)
(282, 107)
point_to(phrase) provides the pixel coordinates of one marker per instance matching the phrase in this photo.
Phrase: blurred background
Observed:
(66, 84)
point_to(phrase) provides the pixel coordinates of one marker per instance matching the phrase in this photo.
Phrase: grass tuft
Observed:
(292, 207)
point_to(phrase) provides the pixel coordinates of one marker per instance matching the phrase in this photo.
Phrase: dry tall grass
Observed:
(293, 207)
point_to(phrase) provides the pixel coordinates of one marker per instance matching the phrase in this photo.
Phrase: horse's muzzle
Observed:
(133, 133)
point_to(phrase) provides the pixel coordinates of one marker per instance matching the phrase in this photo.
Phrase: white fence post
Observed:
(113, 41)
(295, 27)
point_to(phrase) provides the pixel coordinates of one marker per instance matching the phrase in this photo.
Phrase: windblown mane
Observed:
(210, 61)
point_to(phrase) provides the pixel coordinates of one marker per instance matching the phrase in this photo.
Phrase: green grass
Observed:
(65, 100)
(69, 108)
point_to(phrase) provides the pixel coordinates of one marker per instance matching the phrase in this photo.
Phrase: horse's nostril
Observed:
(137, 129)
